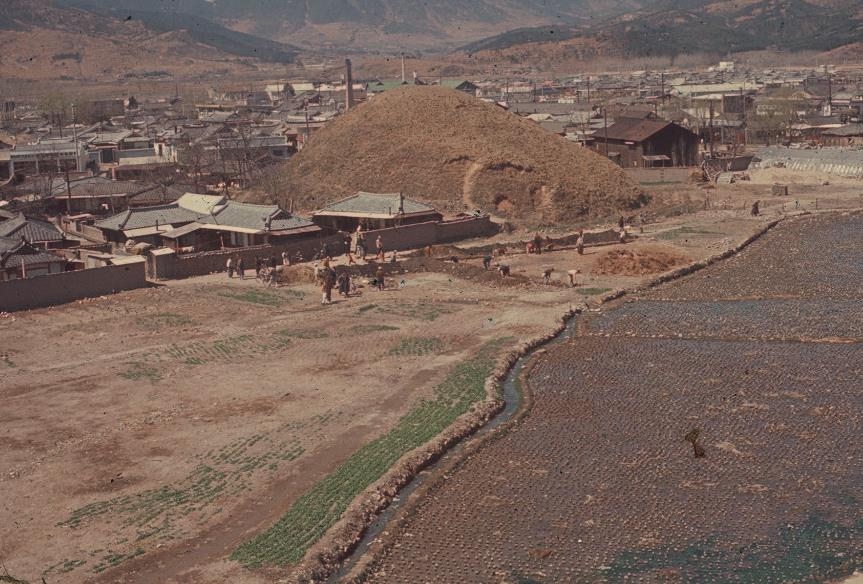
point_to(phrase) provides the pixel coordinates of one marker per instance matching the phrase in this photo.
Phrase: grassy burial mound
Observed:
(459, 153)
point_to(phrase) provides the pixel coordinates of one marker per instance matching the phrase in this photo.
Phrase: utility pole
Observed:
(588, 89)
(306, 109)
(605, 125)
(711, 129)
(75, 134)
(662, 87)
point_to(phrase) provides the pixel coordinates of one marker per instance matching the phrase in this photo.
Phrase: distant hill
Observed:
(199, 29)
(674, 27)
(41, 39)
(375, 24)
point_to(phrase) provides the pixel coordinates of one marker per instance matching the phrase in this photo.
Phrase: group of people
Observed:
(360, 248)
(331, 279)
(342, 281)
(237, 265)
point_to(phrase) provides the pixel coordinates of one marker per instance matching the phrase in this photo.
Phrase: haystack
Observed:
(457, 153)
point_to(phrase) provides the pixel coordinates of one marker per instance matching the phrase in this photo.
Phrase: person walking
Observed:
(286, 260)
(486, 261)
(361, 243)
(537, 243)
(241, 271)
(344, 284)
(379, 245)
(379, 276)
(329, 280)
(579, 243)
(258, 265)
(230, 267)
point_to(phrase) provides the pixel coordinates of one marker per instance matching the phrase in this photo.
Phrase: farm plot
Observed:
(320, 507)
(158, 515)
(675, 438)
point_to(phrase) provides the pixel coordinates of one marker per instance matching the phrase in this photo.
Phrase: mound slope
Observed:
(456, 152)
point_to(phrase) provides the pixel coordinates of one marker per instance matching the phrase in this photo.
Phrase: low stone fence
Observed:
(430, 233)
(52, 289)
(166, 264)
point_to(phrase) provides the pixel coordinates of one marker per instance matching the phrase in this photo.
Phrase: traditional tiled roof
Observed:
(14, 252)
(243, 215)
(33, 230)
(848, 130)
(388, 204)
(169, 214)
(95, 186)
(154, 195)
(206, 210)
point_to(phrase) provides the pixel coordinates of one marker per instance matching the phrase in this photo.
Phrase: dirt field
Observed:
(760, 354)
(150, 435)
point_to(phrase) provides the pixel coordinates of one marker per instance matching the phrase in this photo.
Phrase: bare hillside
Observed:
(459, 153)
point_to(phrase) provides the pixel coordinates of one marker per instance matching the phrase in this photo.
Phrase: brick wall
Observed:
(61, 288)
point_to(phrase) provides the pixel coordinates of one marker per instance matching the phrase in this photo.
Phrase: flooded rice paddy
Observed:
(761, 354)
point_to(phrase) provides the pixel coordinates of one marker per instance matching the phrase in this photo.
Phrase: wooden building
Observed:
(645, 143)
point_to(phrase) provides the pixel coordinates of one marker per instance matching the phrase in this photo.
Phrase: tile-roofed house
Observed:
(205, 222)
(154, 195)
(145, 223)
(19, 259)
(33, 231)
(847, 135)
(374, 211)
(95, 194)
(636, 142)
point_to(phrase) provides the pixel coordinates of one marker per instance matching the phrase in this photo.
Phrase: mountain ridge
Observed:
(673, 27)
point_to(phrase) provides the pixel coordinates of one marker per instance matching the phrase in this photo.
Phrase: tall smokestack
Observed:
(404, 80)
(349, 85)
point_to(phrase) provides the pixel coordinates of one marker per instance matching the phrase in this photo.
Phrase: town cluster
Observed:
(150, 185)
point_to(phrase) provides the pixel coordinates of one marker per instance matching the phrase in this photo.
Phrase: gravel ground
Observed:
(598, 484)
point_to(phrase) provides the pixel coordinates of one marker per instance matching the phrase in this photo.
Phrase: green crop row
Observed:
(224, 349)
(166, 319)
(321, 506)
(418, 347)
(307, 334)
(366, 329)
(138, 371)
(264, 297)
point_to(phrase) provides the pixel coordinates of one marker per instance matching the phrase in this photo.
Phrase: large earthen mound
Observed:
(459, 153)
